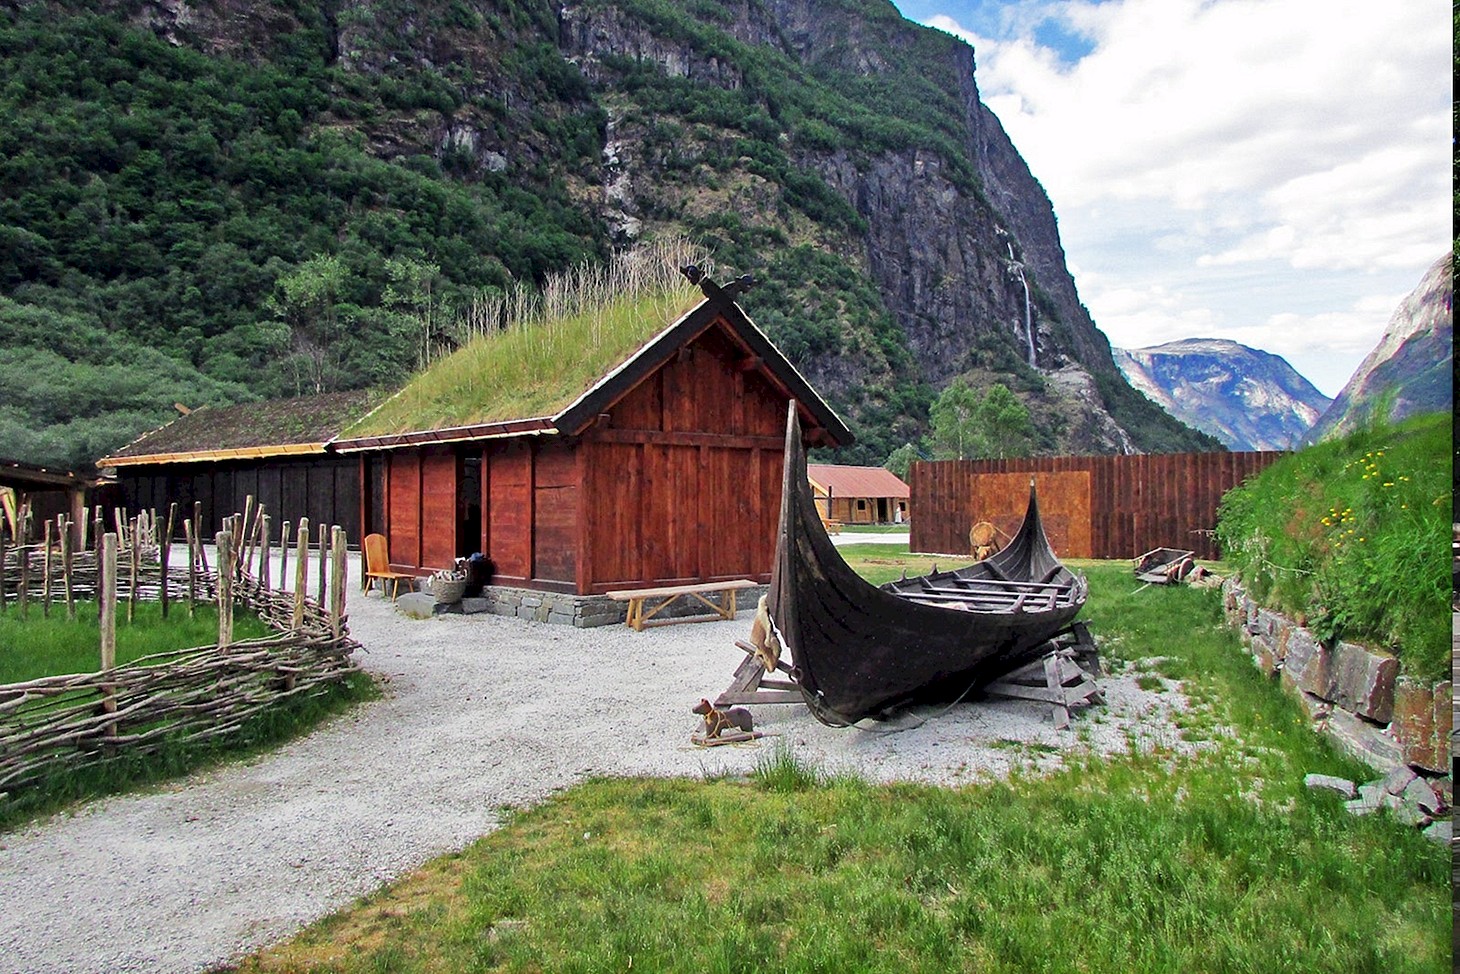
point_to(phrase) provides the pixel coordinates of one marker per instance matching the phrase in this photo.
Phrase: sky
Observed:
(1275, 172)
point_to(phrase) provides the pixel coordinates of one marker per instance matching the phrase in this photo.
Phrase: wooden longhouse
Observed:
(665, 469)
(858, 495)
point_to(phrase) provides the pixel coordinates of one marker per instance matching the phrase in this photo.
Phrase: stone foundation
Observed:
(580, 611)
(1356, 694)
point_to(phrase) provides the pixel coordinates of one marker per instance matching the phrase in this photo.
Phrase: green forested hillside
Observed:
(183, 227)
(239, 200)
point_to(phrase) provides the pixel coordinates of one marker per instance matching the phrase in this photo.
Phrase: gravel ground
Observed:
(479, 713)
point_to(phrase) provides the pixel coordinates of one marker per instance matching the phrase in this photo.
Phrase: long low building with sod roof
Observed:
(634, 443)
(858, 495)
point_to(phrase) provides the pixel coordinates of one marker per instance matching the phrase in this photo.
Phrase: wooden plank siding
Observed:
(1127, 504)
(324, 489)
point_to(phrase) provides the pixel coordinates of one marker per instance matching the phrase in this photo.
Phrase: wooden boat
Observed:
(859, 651)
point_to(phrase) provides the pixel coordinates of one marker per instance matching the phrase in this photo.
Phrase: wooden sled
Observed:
(1064, 678)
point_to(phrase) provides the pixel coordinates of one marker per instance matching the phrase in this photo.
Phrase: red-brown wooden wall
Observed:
(678, 481)
(1133, 503)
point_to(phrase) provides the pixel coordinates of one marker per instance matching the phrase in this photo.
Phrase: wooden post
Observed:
(323, 564)
(283, 555)
(198, 533)
(265, 553)
(106, 602)
(337, 581)
(46, 578)
(301, 576)
(68, 559)
(3, 600)
(226, 555)
(192, 566)
(23, 523)
(164, 555)
(81, 522)
(134, 563)
(96, 525)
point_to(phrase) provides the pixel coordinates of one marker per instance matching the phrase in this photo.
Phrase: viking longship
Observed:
(858, 650)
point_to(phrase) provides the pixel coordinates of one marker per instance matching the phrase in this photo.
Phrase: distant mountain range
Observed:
(1246, 398)
(1413, 363)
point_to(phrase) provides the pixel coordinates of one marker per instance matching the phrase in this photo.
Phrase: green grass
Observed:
(536, 352)
(875, 528)
(1350, 537)
(879, 563)
(293, 717)
(39, 646)
(1146, 862)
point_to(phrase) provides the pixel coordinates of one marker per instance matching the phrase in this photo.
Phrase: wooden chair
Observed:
(377, 566)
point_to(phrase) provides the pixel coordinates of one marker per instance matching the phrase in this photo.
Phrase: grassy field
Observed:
(40, 646)
(875, 528)
(1149, 862)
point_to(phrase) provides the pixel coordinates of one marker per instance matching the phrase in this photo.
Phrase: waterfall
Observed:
(1018, 268)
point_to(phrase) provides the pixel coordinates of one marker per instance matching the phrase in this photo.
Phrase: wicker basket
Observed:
(447, 590)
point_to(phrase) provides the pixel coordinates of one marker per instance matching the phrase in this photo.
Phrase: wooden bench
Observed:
(638, 618)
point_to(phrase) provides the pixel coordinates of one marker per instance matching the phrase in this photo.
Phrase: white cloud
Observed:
(1270, 170)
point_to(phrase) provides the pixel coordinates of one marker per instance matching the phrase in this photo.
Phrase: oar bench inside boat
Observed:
(638, 618)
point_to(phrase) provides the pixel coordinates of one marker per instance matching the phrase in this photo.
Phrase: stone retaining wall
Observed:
(1375, 714)
(581, 611)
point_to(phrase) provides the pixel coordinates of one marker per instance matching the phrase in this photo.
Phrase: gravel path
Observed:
(479, 713)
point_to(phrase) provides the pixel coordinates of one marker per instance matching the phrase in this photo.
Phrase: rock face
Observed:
(1247, 398)
(836, 151)
(1413, 362)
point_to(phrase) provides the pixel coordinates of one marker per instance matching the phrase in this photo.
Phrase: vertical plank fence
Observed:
(1131, 505)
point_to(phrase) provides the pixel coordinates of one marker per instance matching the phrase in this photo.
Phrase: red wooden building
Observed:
(666, 470)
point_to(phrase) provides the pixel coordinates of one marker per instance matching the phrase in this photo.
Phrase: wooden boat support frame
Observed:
(857, 650)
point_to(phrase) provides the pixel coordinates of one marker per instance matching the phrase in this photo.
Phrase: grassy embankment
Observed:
(40, 646)
(1144, 862)
(1350, 538)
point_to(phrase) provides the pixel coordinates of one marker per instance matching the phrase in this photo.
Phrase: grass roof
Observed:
(281, 422)
(556, 345)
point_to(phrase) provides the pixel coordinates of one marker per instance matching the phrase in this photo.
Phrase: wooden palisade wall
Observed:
(325, 489)
(1093, 507)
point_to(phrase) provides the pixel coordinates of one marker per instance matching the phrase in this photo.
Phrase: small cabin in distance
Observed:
(859, 495)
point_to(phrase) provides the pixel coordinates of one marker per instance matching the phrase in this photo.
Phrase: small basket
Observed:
(447, 590)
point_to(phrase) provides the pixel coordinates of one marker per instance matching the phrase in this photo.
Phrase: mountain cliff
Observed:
(238, 199)
(1247, 398)
(1410, 370)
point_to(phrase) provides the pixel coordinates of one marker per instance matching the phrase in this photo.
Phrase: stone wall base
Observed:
(581, 611)
(1354, 693)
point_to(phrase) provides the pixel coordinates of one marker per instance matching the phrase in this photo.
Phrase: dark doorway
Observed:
(469, 506)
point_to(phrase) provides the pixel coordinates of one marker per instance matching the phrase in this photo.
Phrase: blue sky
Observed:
(1276, 172)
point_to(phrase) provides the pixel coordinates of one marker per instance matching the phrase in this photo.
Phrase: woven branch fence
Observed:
(58, 724)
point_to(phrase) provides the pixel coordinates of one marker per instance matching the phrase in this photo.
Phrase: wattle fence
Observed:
(56, 724)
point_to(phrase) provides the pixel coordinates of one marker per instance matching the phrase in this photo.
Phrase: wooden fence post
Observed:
(68, 560)
(106, 602)
(301, 575)
(46, 578)
(283, 555)
(23, 523)
(337, 580)
(265, 553)
(323, 563)
(164, 555)
(224, 541)
(134, 565)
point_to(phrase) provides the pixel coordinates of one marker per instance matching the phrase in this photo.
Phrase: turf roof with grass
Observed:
(535, 369)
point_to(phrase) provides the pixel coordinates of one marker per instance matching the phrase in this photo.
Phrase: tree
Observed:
(900, 460)
(953, 418)
(308, 302)
(967, 426)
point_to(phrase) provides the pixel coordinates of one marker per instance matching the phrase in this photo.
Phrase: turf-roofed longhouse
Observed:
(630, 442)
